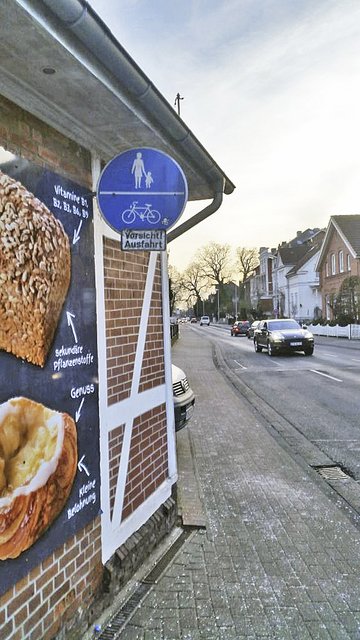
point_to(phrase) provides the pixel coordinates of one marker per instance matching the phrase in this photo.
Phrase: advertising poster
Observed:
(49, 423)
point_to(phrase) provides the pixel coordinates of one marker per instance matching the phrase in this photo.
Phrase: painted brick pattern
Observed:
(148, 459)
(26, 136)
(58, 599)
(56, 596)
(125, 275)
(115, 446)
(57, 593)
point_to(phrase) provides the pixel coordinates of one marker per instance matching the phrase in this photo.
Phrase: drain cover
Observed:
(332, 473)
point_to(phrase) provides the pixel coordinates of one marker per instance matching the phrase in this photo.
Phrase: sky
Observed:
(271, 88)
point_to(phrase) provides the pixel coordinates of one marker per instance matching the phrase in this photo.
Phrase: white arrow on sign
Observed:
(70, 316)
(82, 467)
(76, 236)
(78, 412)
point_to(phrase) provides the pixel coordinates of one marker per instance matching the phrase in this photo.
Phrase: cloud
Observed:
(271, 89)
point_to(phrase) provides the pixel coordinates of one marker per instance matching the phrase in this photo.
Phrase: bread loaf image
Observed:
(35, 267)
(38, 460)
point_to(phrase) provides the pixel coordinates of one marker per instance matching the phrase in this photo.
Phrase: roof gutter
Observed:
(198, 217)
(96, 40)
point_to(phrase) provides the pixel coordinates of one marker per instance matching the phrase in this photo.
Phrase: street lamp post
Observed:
(218, 303)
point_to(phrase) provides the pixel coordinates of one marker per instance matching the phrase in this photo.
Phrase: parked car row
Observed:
(240, 328)
(244, 328)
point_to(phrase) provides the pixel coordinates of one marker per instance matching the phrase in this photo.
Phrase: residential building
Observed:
(260, 285)
(291, 258)
(285, 259)
(303, 291)
(339, 258)
(285, 283)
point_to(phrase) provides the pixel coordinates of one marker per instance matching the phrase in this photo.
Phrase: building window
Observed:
(348, 262)
(333, 264)
(341, 261)
(326, 269)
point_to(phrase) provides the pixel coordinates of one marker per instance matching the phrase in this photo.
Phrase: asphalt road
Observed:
(318, 396)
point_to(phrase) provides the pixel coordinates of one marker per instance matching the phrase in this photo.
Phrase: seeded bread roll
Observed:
(35, 266)
(38, 461)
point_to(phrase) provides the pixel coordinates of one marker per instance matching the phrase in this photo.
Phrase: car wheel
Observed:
(309, 352)
(257, 347)
(270, 349)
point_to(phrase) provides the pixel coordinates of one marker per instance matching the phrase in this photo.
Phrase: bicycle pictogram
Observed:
(144, 213)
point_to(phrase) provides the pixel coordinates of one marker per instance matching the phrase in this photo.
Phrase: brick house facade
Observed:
(70, 119)
(339, 258)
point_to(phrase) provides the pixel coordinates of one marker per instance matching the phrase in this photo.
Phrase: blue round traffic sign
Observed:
(142, 188)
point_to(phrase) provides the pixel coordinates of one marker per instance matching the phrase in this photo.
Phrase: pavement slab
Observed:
(277, 558)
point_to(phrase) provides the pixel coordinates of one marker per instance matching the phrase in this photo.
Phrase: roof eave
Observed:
(81, 33)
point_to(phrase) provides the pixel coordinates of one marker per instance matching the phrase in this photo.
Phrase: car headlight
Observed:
(277, 337)
(308, 335)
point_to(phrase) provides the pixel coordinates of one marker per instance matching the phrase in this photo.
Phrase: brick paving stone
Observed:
(278, 560)
(150, 635)
(131, 633)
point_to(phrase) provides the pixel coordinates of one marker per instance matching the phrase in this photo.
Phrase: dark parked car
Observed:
(277, 335)
(183, 396)
(251, 329)
(240, 328)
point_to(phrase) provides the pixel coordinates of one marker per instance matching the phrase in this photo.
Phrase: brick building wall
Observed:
(59, 592)
(330, 283)
(60, 597)
(26, 136)
(124, 280)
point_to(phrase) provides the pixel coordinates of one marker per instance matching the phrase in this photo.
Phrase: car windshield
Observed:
(280, 325)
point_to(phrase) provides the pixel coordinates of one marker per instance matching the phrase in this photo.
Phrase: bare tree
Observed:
(246, 261)
(215, 262)
(175, 287)
(193, 284)
(193, 281)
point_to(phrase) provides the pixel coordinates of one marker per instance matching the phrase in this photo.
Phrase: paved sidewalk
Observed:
(278, 558)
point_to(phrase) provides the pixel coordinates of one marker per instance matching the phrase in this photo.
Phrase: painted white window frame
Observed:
(333, 264)
(341, 261)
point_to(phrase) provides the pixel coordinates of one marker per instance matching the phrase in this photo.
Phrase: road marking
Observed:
(355, 359)
(329, 355)
(326, 375)
(240, 365)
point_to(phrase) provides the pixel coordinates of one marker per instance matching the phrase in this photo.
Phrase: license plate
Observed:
(295, 344)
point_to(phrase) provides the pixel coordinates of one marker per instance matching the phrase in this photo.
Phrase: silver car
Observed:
(184, 398)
